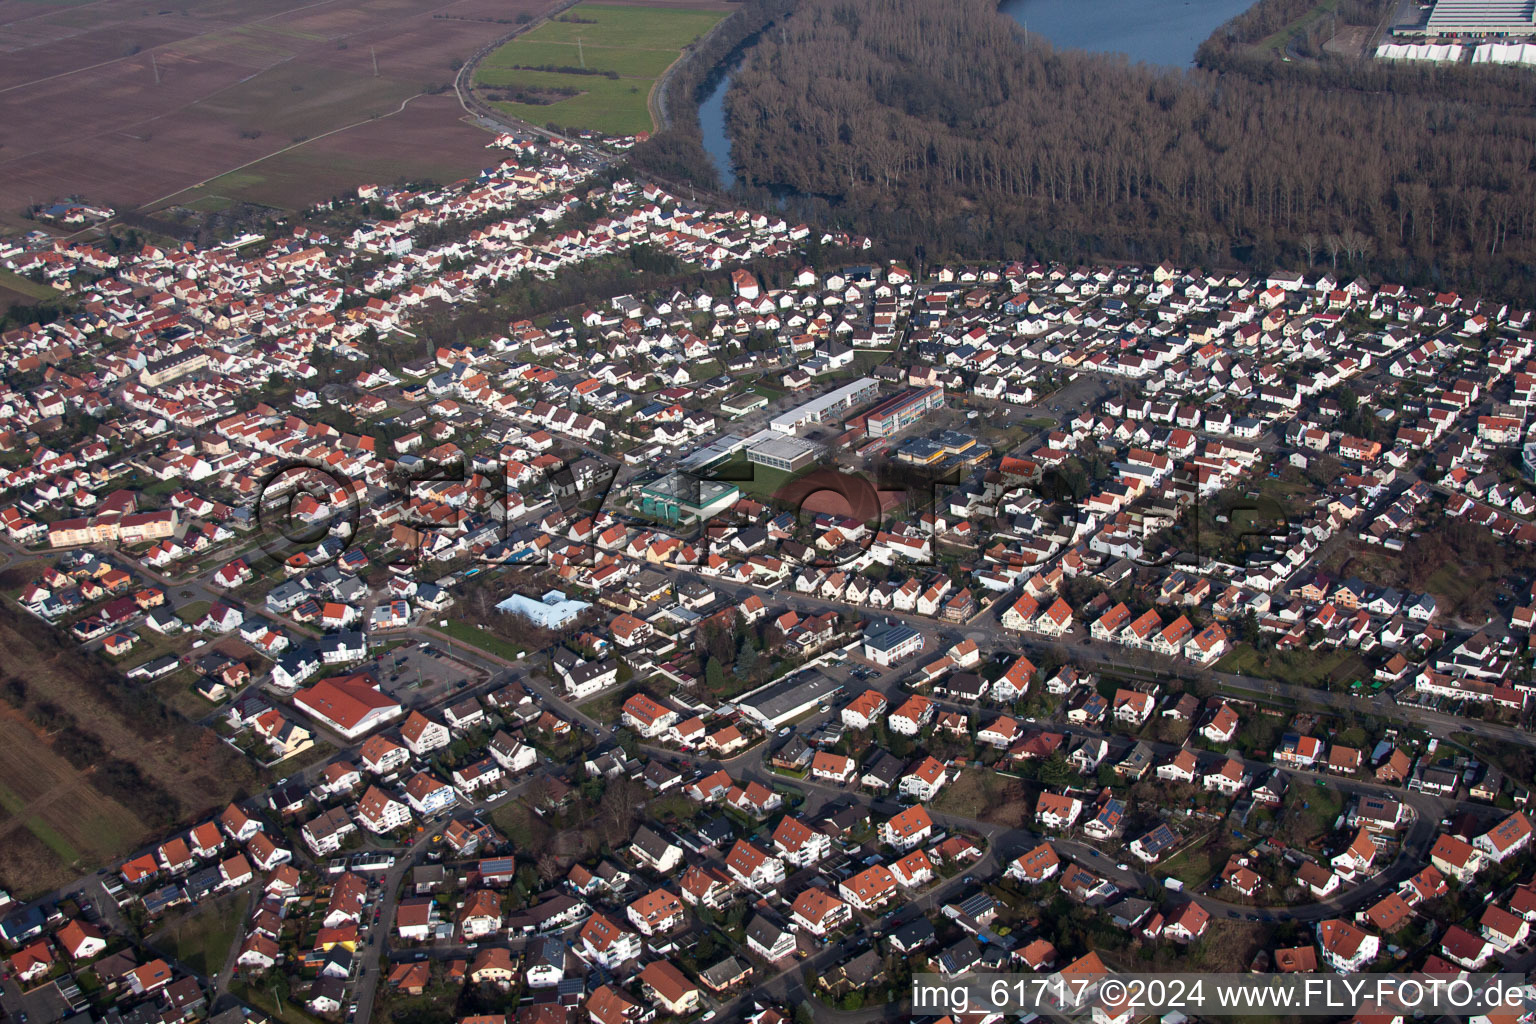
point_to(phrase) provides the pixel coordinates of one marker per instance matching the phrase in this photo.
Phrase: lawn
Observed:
(760, 482)
(193, 611)
(1310, 813)
(1277, 39)
(1453, 584)
(54, 802)
(1307, 668)
(476, 636)
(516, 820)
(634, 44)
(272, 995)
(623, 25)
(201, 938)
(97, 783)
(605, 706)
(61, 847)
(986, 796)
(1200, 860)
(624, 61)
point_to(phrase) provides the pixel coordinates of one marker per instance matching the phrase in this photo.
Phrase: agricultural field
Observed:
(56, 824)
(158, 99)
(91, 768)
(593, 66)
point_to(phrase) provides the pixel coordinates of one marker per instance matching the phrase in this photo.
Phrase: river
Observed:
(717, 142)
(1164, 32)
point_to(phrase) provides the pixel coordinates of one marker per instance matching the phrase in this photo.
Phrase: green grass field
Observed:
(636, 43)
(475, 636)
(759, 482)
(1309, 668)
(26, 286)
(201, 938)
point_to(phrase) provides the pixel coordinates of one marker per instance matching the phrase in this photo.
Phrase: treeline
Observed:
(565, 69)
(940, 126)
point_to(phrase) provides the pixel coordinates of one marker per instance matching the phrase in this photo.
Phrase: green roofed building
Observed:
(683, 498)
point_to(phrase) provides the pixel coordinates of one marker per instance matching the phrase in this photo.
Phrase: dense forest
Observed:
(943, 126)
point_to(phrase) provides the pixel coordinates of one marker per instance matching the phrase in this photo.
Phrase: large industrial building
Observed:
(1482, 18)
(828, 406)
(894, 415)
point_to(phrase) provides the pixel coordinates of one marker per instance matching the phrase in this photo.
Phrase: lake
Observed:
(1163, 32)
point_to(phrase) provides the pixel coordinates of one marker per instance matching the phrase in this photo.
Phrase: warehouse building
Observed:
(739, 405)
(1482, 18)
(779, 702)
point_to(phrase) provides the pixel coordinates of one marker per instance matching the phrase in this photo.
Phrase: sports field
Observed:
(593, 66)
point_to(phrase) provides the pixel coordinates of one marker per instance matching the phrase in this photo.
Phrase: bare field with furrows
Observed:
(82, 111)
(56, 825)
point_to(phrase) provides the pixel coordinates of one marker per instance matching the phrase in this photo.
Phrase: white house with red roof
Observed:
(799, 844)
(819, 912)
(1344, 947)
(1037, 865)
(381, 813)
(422, 735)
(924, 779)
(870, 889)
(907, 829)
(646, 716)
(1055, 810)
(754, 867)
(864, 710)
(1187, 923)
(1455, 859)
(1508, 837)
(1132, 706)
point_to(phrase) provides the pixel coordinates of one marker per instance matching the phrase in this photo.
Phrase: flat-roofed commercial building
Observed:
(897, 414)
(740, 405)
(828, 406)
(783, 451)
(779, 702)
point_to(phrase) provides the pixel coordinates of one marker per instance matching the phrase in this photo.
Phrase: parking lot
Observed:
(421, 673)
